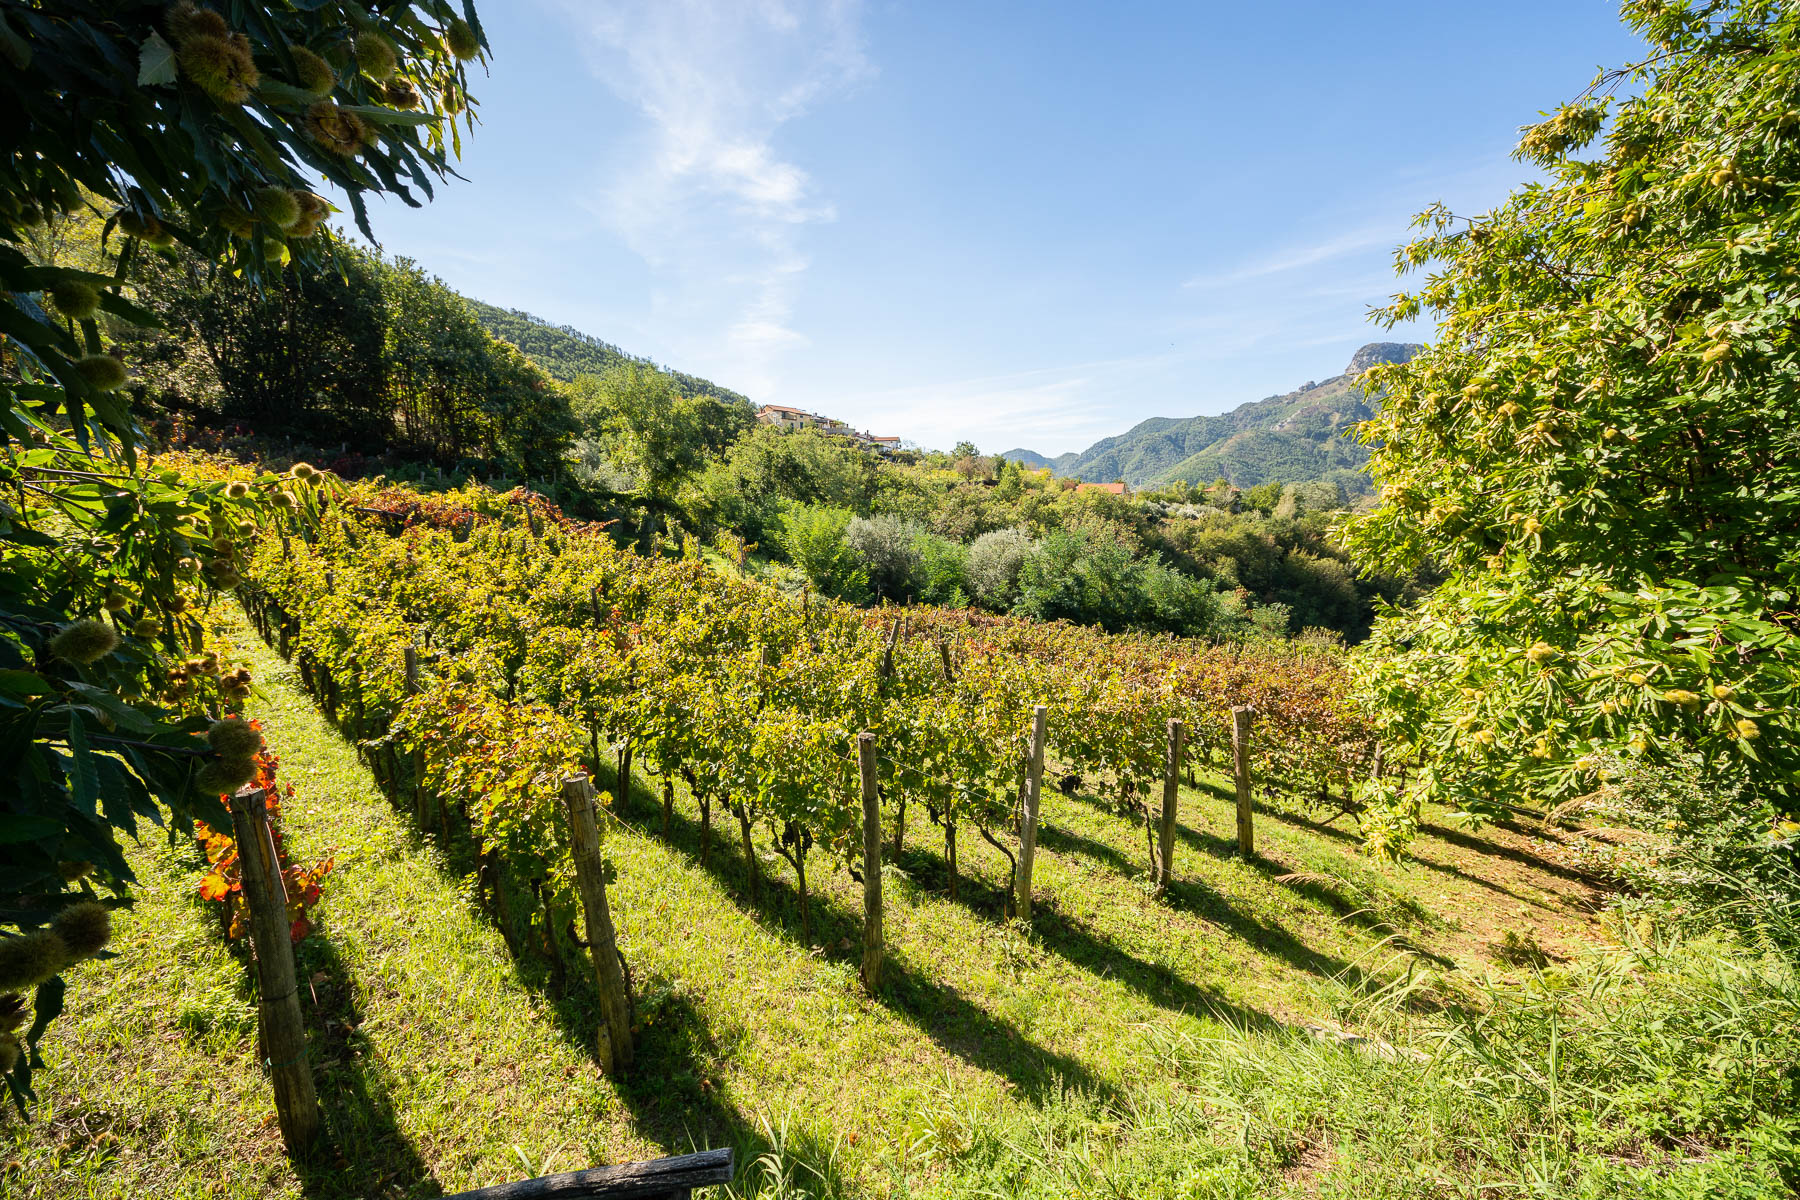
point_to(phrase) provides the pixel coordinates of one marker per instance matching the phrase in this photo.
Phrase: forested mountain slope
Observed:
(566, 352)
(1288, 438)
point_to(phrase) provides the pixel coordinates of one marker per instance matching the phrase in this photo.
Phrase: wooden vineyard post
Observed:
(887, 654)
(614, 1042)
(1240, 773)
(280, 1032)
(1165, 864)
(1028, 820)
(871, 867)
(412, 689)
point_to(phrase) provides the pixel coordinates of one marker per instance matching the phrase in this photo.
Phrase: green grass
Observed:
(1125, 1045)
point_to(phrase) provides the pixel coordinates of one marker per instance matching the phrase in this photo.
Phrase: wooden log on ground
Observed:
(660, 1179)
(1028, 820)
(282, 1035)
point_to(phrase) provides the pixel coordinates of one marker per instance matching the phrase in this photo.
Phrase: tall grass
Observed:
(1664, 1067)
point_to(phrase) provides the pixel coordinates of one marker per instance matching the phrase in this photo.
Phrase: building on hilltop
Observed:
(781, 416)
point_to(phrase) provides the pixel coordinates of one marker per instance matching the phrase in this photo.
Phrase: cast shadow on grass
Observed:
(1191, 895)
(1524, 858)
(1198, 839)
(674, 1100)
(937, 1010)
(1288, 817)
(1077, 943)
(365, 1152)
(939, 1006)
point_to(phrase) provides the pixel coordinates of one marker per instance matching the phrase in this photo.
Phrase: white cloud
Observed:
(1295, 258)
(1050, 410)
(703, 194)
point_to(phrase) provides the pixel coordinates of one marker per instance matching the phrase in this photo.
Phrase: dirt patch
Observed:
(1314, 1157)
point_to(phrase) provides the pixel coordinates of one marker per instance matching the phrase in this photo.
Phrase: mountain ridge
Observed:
(565, 352)
(1286, 438)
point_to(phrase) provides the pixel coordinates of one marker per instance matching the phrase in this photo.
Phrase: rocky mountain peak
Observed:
(1381, 352)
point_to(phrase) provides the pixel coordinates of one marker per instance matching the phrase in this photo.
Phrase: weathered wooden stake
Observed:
(887, 655)
(282, 1036)
(1240, 772)
(1028, 821)
(663, 1178)
(871, 867)
(613, 1045)
(1165, 872)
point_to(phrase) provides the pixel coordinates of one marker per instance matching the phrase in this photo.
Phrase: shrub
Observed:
(993, 567)
(1714, 857)
(887, 547)
(813, 536)
(943, 571)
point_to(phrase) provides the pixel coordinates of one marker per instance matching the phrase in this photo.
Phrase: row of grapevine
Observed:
(481, 652)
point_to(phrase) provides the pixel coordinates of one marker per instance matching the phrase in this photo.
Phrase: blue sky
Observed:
(1022, 224)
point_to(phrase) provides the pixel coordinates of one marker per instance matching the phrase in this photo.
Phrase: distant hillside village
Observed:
(783, 417)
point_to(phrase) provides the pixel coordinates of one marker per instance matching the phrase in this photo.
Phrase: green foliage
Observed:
(767, 468)
(1081, 577)
(942, 576)
(568, 354)
(995, 560)
(653, 429)
(813, 537)
(888, 550)
(1691, 843)
(173, 134)
(364, 350)
(1599, 448)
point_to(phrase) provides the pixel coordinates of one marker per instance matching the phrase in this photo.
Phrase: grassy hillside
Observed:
(565, 352)
(1286, 439)
(1218, 1042)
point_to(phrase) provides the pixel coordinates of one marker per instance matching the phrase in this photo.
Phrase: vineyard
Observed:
(474, 655)
(611, 818)
(481, 658)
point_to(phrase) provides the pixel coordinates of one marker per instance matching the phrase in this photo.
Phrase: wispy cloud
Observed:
(703, 195)
(1295, 258)
(1050, 409)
